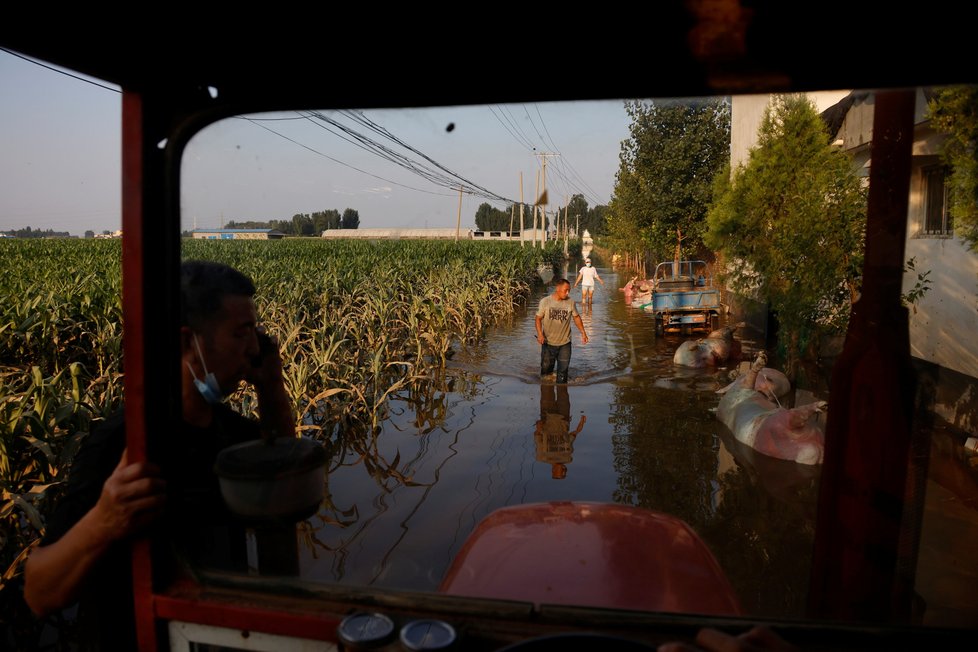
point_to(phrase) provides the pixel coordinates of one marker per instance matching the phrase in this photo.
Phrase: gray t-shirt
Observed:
(557, 316)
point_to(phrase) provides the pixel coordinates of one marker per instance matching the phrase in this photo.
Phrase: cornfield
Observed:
(357, 322)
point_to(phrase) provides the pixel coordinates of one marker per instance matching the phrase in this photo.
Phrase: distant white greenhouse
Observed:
(430, 234)
(237, 234)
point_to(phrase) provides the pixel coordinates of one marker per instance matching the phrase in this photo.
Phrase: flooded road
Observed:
(630, 428)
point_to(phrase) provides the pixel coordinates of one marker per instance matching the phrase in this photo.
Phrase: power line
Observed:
(563, 160)
(447, 179)
(257, 123)
(566, 177)
(373, 147)
(62, 72)
(450, 181)
(520, 138)
(563, 176)
(361, 118)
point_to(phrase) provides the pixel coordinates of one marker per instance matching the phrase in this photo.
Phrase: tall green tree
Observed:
(333, 219)
(664, 181)
(350, 219)
(954, 112)
(488, 218)
(625, 223)
(582, 217)
(577, 212)
(28, 232)
(596, 222)
(319, 222)
(302, 224)
(790, 224)
(250, 224)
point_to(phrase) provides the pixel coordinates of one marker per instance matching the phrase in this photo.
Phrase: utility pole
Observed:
(458, 223)
(521, 210)
(543, 156)
(536, 209)
(566, 231)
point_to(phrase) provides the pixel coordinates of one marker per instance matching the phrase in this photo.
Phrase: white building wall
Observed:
(746, 113)
(944, 326)
(943, 323)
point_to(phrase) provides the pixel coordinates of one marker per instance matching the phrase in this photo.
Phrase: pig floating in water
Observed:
(629, 290)
(787, 434)
(770, 382)
(714, 349)
(641, 293)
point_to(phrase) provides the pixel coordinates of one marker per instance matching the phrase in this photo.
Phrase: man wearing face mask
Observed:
(84, 556)
(586, 277)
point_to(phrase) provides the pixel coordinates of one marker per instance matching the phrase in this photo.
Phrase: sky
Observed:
(60, 150)
(60, 155)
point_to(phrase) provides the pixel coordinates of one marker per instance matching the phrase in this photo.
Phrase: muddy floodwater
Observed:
(630, 428)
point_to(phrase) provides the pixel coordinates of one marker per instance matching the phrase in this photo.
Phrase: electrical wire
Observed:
(589, 193)
(257, 122)
(59, 71)
(474, 189)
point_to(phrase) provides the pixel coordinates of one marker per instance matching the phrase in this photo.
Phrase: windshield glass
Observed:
(402, 256)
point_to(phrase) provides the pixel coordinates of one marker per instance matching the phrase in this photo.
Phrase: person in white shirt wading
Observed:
(586, 277)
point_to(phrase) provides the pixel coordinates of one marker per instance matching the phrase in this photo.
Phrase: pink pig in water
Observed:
(641, 293)
(787, 434)
(628, 289)
(713, 350)
(770, 382)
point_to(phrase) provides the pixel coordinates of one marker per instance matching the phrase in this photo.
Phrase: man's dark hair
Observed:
(203, 286)
(561, 281)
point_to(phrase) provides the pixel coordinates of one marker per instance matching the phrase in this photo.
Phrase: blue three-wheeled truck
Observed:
(684, 297)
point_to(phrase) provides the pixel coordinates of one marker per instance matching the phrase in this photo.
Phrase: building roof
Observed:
(394, 233)
(233, 231)
(835, 115)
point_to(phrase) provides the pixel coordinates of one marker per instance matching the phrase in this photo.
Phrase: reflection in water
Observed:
(402, 500)
(553, 436)
(784, 481)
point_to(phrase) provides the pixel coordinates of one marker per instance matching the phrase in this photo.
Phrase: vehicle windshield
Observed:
(637, 365)
(480, 414)
(401, 256)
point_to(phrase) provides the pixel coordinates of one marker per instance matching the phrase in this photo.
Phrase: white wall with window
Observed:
(944, 321)
(936, 219)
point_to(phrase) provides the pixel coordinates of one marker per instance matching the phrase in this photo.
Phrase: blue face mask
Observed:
(209, 388)
(588, 264)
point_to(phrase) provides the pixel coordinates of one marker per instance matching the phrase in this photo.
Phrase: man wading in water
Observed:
(553, 330)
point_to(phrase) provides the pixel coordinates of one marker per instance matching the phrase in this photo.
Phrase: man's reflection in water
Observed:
(553, 436)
